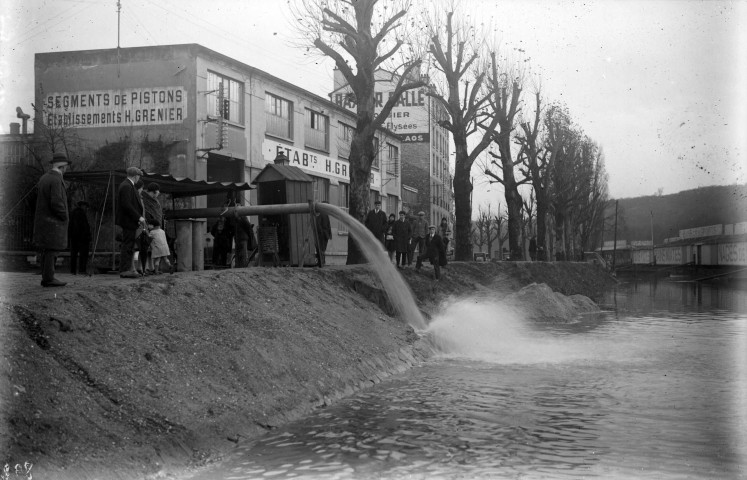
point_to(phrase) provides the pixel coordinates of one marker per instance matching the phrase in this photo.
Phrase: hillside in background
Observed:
(687, 209)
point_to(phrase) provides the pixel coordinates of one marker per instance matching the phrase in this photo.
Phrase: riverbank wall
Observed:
(148, 378)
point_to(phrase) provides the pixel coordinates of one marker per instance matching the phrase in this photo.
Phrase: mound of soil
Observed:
(145, 378)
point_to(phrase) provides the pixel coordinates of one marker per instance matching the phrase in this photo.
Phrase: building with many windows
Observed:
(212, 117)
(426, 177)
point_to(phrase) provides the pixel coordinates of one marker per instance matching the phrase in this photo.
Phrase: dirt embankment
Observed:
(111, 378)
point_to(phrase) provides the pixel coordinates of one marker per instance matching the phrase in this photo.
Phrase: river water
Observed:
(654, 387)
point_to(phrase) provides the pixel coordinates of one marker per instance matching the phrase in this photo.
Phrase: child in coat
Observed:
(158, 247)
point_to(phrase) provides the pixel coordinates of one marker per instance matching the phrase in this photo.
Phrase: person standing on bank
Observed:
(533, 249)
(402, 231)
(51, 219)
(419, 231)
(376, 222)
(153, 213)
(434, 251)
(129, 216)
(389, 237)
(79, 235)
(324, 234)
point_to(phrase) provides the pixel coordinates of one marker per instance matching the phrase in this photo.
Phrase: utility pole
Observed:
(119, 9)
(653, 252)
(614, 241)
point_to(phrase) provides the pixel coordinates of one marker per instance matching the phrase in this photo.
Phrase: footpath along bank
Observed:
(145, 378)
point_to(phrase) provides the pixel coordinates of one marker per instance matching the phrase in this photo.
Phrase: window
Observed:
(343, 200)
(321, 189)
(316, 134)
(391, 205)
(14, 153)
(279, 114)
(392, 163)
(375, 161)
(344, 139)
(233, 98)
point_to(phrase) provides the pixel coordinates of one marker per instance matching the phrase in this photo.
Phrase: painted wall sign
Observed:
(708, 231)
(112, 108)
(315, 163)
(732, 253)
(410, 115)
(669, 255)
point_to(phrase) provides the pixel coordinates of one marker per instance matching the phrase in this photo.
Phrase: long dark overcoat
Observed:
(376, 222)
(402, 232)
(129, 206)
(434, 249)
(51, 217)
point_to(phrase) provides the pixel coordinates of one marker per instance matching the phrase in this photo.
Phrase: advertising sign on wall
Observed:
(409, 115)
(314, 163)
(732, 253)
(113, 108)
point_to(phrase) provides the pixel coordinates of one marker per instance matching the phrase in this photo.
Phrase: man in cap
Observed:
(434, 251)
(51, 218)
(79, 232)
(129, 216)
(376, 221)
(419, 231)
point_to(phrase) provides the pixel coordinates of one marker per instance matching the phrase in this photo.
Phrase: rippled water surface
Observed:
(655, 387)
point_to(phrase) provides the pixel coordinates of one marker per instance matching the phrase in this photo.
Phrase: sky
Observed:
(660, 85)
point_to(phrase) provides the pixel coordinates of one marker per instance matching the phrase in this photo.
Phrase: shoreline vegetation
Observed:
(156, 377)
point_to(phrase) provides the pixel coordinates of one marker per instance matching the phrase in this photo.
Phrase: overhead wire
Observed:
(64, 17)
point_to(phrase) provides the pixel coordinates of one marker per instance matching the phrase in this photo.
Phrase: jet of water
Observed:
(397, 290)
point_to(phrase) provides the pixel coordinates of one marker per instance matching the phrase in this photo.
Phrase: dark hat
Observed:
(402, 212)
(153, 187)
(377, 202)
(59, 157)
(132, 171)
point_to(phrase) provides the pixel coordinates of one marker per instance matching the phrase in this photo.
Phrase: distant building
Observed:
(426, 179)
(214, 118)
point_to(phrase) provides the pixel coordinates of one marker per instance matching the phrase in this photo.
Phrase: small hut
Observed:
(280, 183)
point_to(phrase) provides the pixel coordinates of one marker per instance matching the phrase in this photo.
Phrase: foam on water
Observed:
(491, 331)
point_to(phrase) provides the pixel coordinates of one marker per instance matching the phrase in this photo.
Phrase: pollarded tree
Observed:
(360, 36)
(464, 91)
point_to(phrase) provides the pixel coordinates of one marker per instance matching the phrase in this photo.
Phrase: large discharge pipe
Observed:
(397, 290)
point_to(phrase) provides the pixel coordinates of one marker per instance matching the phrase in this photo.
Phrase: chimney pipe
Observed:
(24, 118)
(15, 128)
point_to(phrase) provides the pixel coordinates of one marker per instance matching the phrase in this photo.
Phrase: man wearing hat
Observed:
(419, 232)
(51, 218)
(79, 233)
(376, 221)
(434, 251)
(129, 216)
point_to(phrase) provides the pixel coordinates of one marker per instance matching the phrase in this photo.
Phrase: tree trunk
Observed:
(462, 201)
(541, 230)
(360, 186)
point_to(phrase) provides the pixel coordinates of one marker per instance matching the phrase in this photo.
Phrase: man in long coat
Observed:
(324, 234)
(402, 232)
(129, 215)
(434, 251)
(376, 221)
(51, 219)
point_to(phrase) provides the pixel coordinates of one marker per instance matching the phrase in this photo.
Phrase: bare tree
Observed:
(465, 91)
(505, 107)
(360, 36)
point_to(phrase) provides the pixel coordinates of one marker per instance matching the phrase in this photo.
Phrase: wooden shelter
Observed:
(283, 184)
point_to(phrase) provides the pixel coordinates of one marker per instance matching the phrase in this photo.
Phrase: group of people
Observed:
(141, 217)
(139, 214)
(401, 237)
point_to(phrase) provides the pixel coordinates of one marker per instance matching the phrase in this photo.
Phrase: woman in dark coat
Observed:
(389, 237)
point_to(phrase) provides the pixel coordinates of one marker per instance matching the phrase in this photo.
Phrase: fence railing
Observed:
(17, 232)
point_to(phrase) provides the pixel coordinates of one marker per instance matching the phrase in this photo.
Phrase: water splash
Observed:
(491, 331)
(397, 290)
